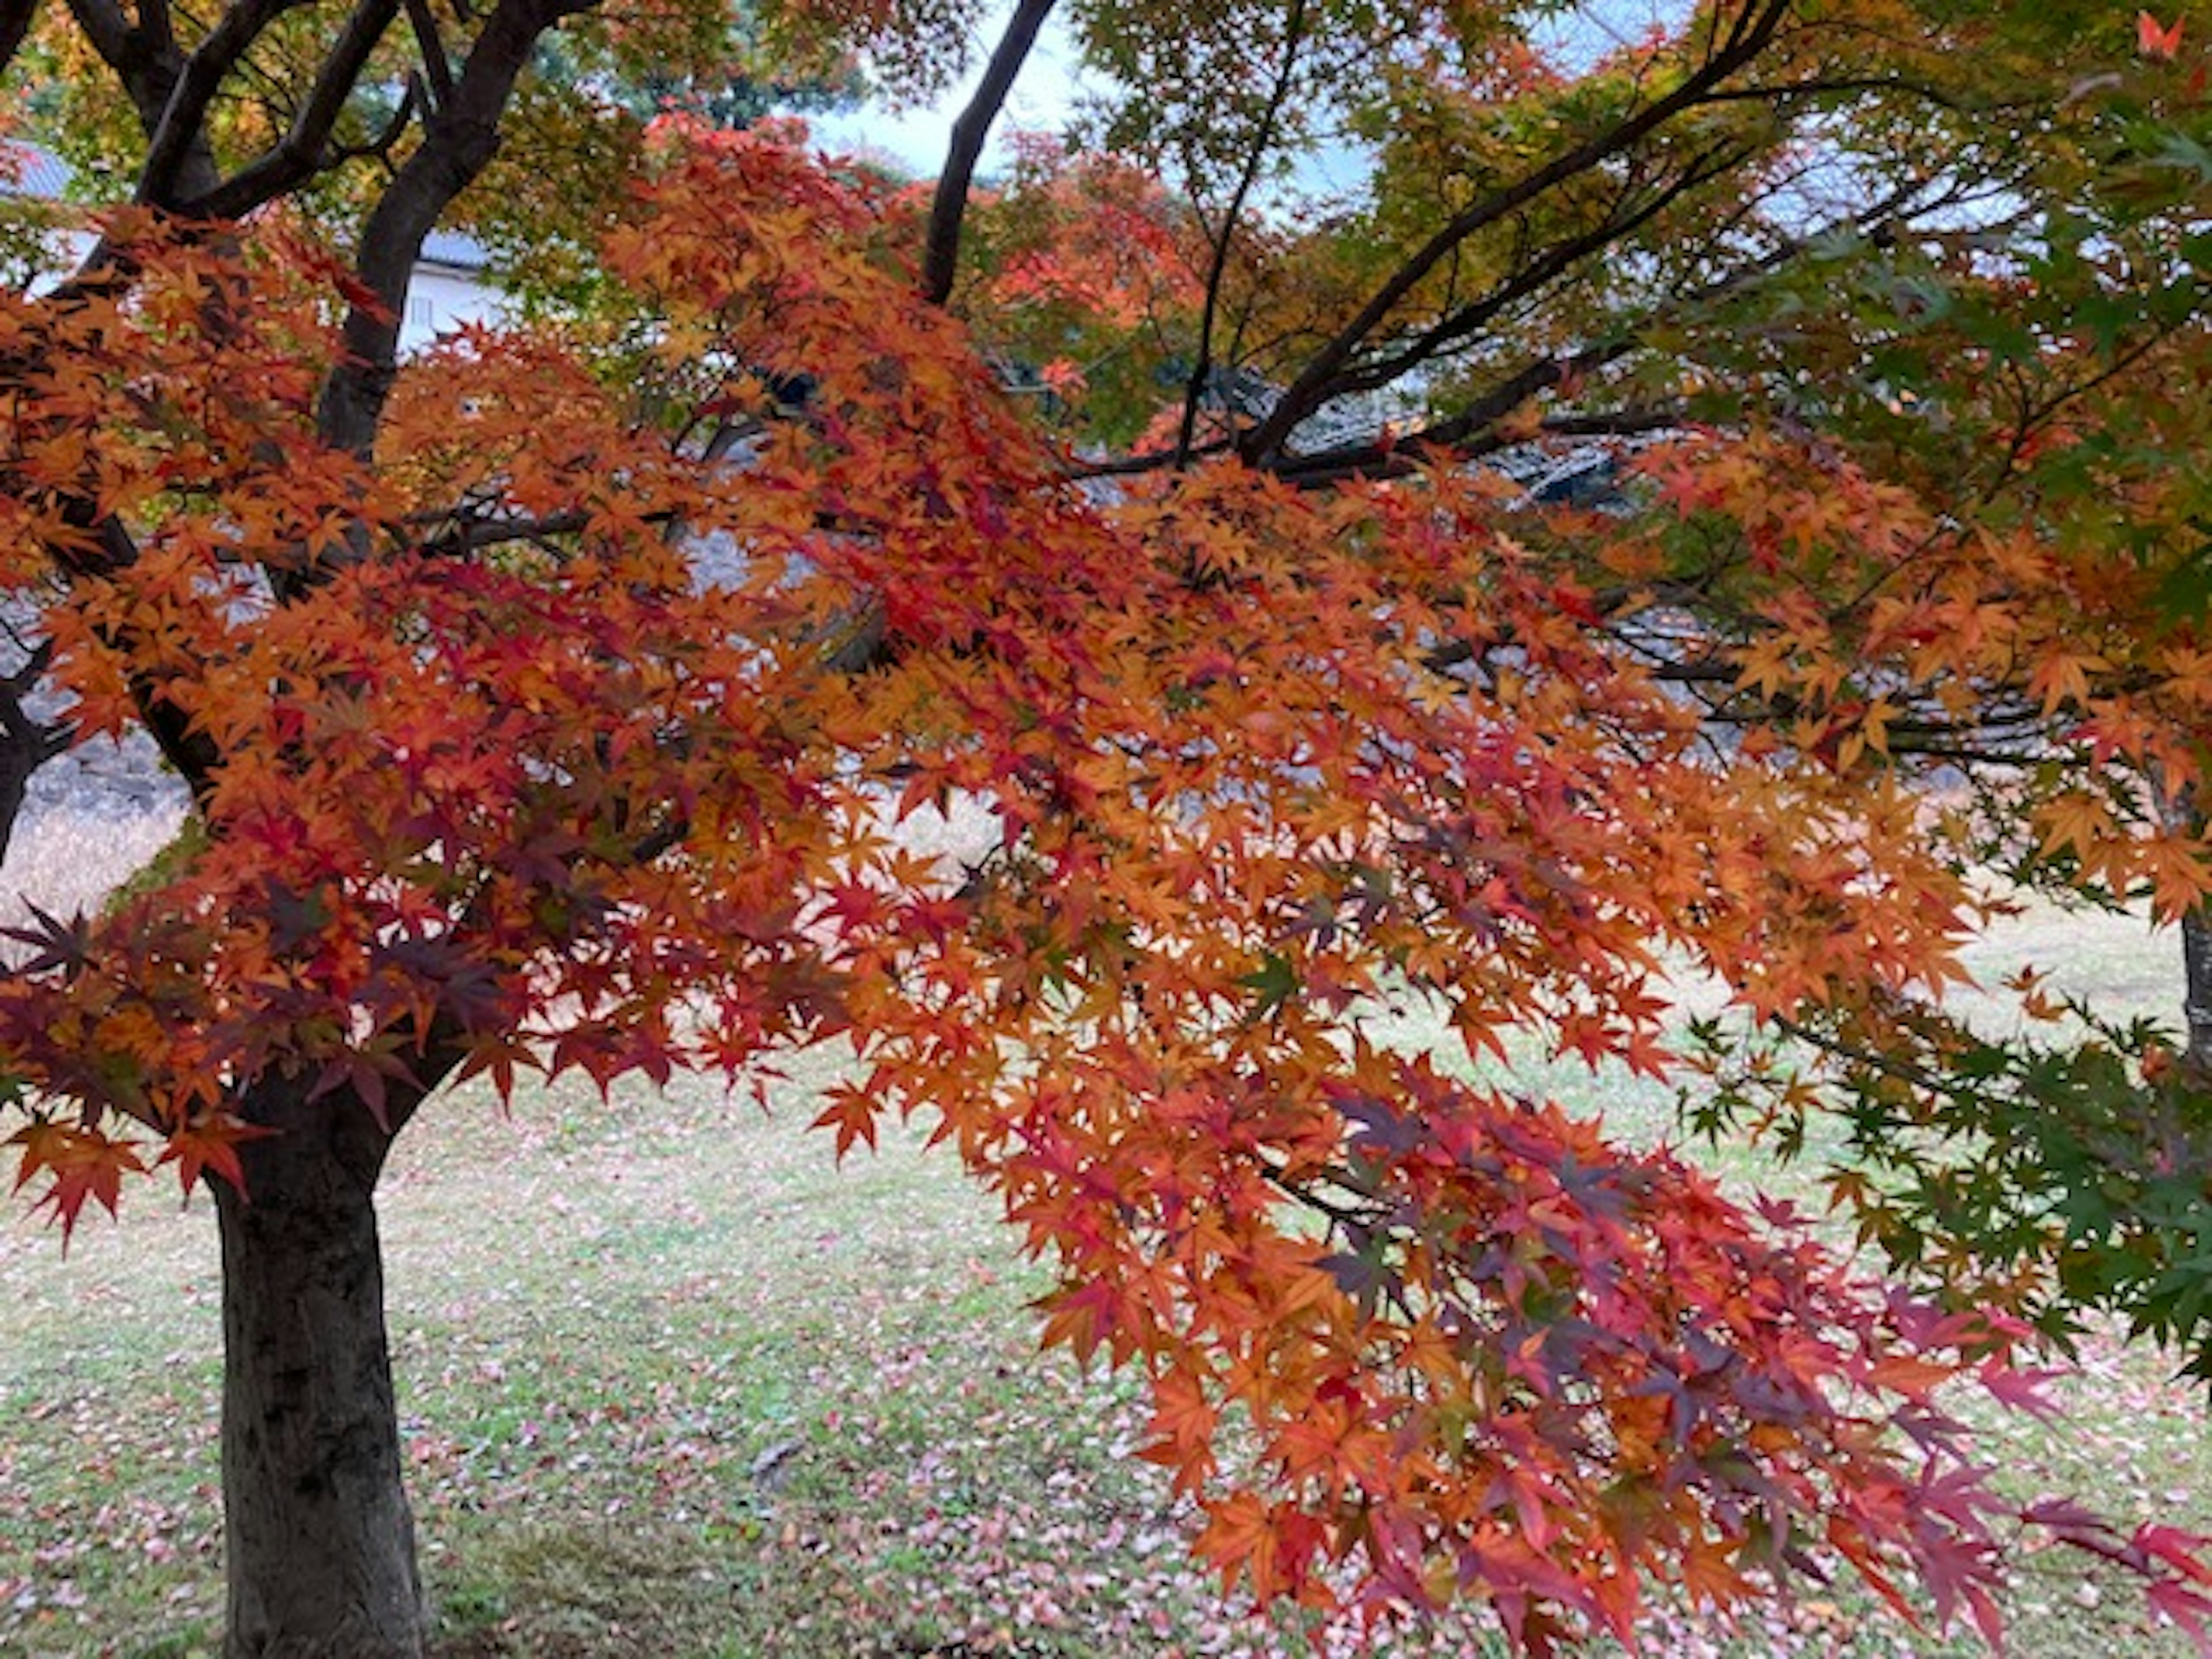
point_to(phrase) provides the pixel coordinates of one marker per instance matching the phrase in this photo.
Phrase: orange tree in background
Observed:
(551, 703)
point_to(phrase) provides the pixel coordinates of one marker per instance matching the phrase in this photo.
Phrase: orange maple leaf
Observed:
(79, 1163)
(211, 1142)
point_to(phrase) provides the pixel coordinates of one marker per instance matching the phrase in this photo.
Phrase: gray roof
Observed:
(455, 248)
(36, 172)
(32, 170)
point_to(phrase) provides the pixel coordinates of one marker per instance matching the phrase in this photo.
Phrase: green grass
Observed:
(673, 1384)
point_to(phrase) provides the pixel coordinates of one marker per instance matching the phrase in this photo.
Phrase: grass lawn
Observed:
(675, 1385)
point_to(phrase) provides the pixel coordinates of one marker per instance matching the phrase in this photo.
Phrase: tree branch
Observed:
(459, 141)
(180, 133)
(300, 153)
(1466, 435)
(1134, 466)
(949, 206)
(186, 746)
(15, 19)
(1754, 31)
(1460, 436)
(1555, 262)
(437, 63)
(110, 35)
(143, 54)
(1218, 264)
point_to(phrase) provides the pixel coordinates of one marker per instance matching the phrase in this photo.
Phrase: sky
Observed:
(1053, 80)
(1044, 97)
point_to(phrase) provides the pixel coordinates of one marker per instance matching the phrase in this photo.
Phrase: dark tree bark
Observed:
(17, 17)
(26, 742)
(941, 251)
(24, 748)
(2197, 1000)
(2183, 812)
(319, 1542)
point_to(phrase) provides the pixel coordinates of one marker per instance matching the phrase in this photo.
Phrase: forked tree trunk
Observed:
(319, 1546)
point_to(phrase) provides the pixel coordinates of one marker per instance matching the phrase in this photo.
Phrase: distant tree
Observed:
(550, 704)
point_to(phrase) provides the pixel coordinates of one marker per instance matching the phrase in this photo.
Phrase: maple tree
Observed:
(552, 702)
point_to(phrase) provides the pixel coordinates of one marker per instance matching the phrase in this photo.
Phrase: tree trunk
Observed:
(26, 742)
(17, 762)
(2197, 977)
(320, 1546)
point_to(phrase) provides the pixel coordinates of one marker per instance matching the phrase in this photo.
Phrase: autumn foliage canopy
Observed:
(575, 719)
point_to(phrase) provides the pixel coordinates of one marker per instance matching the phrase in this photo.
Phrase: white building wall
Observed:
(441, 298)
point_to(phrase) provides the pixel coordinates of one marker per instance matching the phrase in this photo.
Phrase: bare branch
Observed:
(1468, 434)
(38, 657)
(460, 533)
(1151, 460)
(411, 99)
(941, 252)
